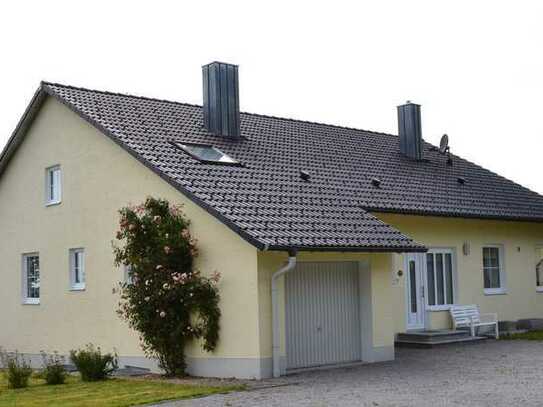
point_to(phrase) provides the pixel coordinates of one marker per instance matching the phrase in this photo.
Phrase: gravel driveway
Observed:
(493, 373)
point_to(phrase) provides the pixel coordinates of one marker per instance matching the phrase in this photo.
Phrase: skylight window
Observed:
(207, 153)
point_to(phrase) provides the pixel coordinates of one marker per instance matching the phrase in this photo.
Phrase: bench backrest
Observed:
(462, 315)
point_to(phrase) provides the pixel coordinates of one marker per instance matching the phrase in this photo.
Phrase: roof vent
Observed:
(376, 182)
(461, 180)
(305, 175)
(221, 99)
(409, 130)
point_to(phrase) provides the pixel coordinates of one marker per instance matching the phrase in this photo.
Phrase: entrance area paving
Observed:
(493, 373)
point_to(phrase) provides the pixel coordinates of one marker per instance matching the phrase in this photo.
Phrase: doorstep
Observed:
(435, 337)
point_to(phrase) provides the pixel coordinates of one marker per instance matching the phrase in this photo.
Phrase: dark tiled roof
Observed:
(268, 203)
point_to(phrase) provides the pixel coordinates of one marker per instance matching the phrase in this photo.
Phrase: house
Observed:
(330, 240)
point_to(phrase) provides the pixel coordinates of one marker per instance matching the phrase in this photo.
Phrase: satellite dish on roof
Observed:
(444, 144)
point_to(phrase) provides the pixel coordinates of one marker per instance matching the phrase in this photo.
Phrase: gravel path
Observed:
(494, 373)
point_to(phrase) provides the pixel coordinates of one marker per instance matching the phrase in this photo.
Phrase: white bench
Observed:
(469, 316)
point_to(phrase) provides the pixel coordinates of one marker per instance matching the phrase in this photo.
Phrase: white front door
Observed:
(414, 281)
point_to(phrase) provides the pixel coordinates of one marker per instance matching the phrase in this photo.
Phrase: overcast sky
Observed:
(476, 67)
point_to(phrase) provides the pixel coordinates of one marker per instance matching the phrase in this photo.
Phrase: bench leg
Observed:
(472, 330)
(497, 332)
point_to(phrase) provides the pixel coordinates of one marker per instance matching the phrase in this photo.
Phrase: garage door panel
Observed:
(322, 314)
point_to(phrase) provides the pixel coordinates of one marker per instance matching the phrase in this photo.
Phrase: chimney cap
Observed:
(221, 63)
(409, 102)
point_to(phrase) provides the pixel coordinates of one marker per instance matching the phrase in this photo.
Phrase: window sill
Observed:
(539, 289)
(495, 291)
(53, 203)
(437, 308)
(77, 288)
(31, 301)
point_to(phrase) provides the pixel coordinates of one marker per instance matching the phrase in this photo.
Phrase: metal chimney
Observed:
(221, 99)
(409, 130)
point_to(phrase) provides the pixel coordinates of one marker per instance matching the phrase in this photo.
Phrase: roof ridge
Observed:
(46, 83)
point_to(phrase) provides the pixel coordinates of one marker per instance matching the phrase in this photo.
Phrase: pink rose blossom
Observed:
(216, 276)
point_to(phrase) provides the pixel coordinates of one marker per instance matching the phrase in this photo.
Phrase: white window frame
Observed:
(26, 299)
(53, 197)
(539, 261)
(126, 274)
(503, 280)
(77, 286)
(441, 307)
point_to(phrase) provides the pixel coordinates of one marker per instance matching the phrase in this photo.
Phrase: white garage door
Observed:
(322, 314)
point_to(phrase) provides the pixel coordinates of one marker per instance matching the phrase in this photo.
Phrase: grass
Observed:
(111, 392)
(531, 336)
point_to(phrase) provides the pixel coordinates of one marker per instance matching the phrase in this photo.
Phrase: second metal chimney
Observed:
(221, 99)
(409, 130)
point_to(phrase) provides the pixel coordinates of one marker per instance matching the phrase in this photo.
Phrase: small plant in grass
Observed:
(92, 364)
(167, 300)
(18, 370)
(54, 371)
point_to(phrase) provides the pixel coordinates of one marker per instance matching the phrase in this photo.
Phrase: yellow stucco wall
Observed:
(98, 178)
(520, 241)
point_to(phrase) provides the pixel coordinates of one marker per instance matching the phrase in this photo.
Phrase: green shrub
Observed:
(92, 364)
(18, 370)
(168, 301)
(54, 371)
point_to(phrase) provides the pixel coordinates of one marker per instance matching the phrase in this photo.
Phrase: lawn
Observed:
(531, 336)
(112, 392)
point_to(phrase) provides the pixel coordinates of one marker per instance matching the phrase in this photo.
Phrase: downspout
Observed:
(275, 312)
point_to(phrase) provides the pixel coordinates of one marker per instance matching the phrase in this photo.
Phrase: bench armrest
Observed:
(490, 317)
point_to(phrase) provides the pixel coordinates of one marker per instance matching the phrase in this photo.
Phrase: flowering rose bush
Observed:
(167, 300)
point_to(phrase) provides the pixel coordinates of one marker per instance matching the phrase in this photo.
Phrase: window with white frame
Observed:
(539, 269)
(440, 278)
(493, 272)
(53, 187)
(128, 278)
(77, 269)
(31, 278)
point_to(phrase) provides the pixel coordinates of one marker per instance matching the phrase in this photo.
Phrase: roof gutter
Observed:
(276, 327)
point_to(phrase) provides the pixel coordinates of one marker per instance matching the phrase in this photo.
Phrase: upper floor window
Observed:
(31, 278)
(493, 271)
(440, 278)
(53, 187)
(77, 269)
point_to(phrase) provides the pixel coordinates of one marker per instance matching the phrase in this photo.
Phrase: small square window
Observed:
(539, 269)
(127, 277)
(31, 278)
(77, 269)
(53, 189)
(207, 153)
